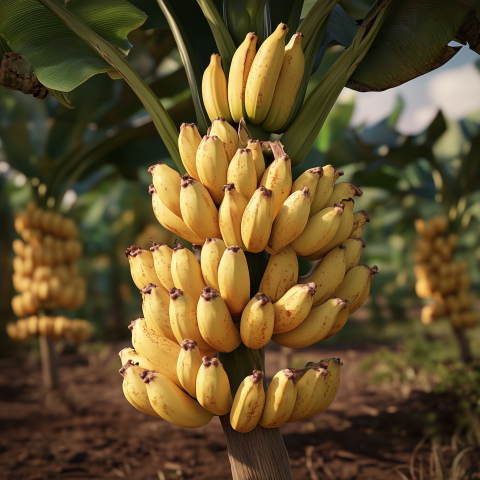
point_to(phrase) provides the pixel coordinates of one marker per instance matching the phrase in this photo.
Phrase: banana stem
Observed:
(49, 363)
(465, 351)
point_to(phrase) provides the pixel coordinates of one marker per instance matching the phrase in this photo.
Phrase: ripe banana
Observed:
(212, 166)
(162, 261)
(305, 390)
(230, 216)
(234, 280)
(215, 322)
(188, 363)
(188, 142)
(211, 255)
(173, 404)
(325, 187)
(314, 328)
(341, 191)
(278, 179)
(340, 321)
(257, 220)
(213, 387)
(227, 134)
(131, 354)
(155, 310)
(310, 179)
(319, 231)
(354, 248)
(214, 90)
(186, 273)
(183, 318)
(142, 267)
(258, 159)
(198, 210)
(291, 219)
(167, 185)
(287, 86)
(263, 75)
(256, 326)
(248, 404)
(292, 309)
(281, 274)
(241, 172)
(359, 220)
(280, 399)
(237, 79)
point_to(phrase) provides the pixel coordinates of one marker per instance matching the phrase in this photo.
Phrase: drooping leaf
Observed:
(312, 21)
(155, 17)
(469, 32)
(294, 19)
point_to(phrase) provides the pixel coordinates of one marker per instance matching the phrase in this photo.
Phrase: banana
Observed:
(328, 275)
(155, 310)
(172, 404)
(287, 86)
(343, 190)
(256, 326)
(281, 274)
(198, 210)
(141, 266)
(213, 387)
(227, 134)
(167, 184)
(257, 220)
(354, 248)
(161, 352)
(18, 247)
(211, 255)
(187, 273)
(280, 399)
(324, 190)
(212, 166)
(292, 309)
(278, 179)
(131, 354)
(291, 219)
(258, 159)
(241, 172)
(263, 75)
(188, 363)
(162, 261)
(215, 322)
(237, 79)
(306, 380)
(234, 280)
(310, 179)
(188, 142)
(319, 231)
(171, 221)
(359, 220)
(230, 216)
(214, 90)
(314, 328)
(32, 325)
(183, 318)
(248, 404)
(340, 321)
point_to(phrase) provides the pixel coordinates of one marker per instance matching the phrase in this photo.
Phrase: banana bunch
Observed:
(440, 278)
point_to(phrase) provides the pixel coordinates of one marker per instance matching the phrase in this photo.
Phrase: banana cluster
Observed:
(45, 275)
(440, 278)
(51, 327)
(262, 86)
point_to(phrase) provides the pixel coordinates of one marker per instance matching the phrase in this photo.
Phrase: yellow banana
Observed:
(341, 191)
(263, 75)
(310, 179)
(198, 210)
(257, 220)
(354, 248)
(18, 247)
(227, 134)
(292, 309)
(214, 90)
(340, 321)
(248, 404)
(173, 404)
(287, 86)
(258, 159)
(188, 142)
(131, 354)
(305, 390)
(210, 258)
(215, 322)
(183, 318)
(241, 172)
(234, 280)
(213, 387)
(319, 231)
(230, 216)
(325, 187)
(291, 219)
(186, 273)
(155, 310)
(212, 166)
(280, 399)
(188, 363)
(237, 79)
(162, 261)
(314, 328)
(256, 326)
(281, 274)
(359, 220)
(167, 185)
(32, 325)
(278, 179)
(142, 267)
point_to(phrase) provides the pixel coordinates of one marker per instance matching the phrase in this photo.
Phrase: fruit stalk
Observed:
(49, 362)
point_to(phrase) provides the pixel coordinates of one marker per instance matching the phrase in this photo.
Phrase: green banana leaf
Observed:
(240, 18)
(357, 9)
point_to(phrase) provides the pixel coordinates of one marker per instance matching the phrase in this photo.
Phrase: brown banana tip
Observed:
(196, 247)
(125, 367)
(187, 125)
(229, 187)
(148, 289)
(262, 298)
(178, 246)
(152, 168)
(340, 301)
(155, 246)
(188, 344)
(257, 376)
(341, 247)
(147, 375)
(210, 361)
(323, 364)
(175, 293)
(266, 192)
(309, 364)
(209, 294)
(251, 141)
(234, 249)
(339, 206)
(340, 173)
(133, 251)
(374, 270)
(291, 374)
(306, 192)
(358, 192)
(208, 240)
(186, 180)
(316, 171)
(284, 26)
(312, 288)
(365, 214)
(151, 189)
(219, 119)
(132, 323)
(244, 150)
(363, 243)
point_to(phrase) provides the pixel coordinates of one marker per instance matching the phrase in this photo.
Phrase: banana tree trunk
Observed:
(48, 357)
(465, 352)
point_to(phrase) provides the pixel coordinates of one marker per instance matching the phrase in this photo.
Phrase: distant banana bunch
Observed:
(441, 278)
